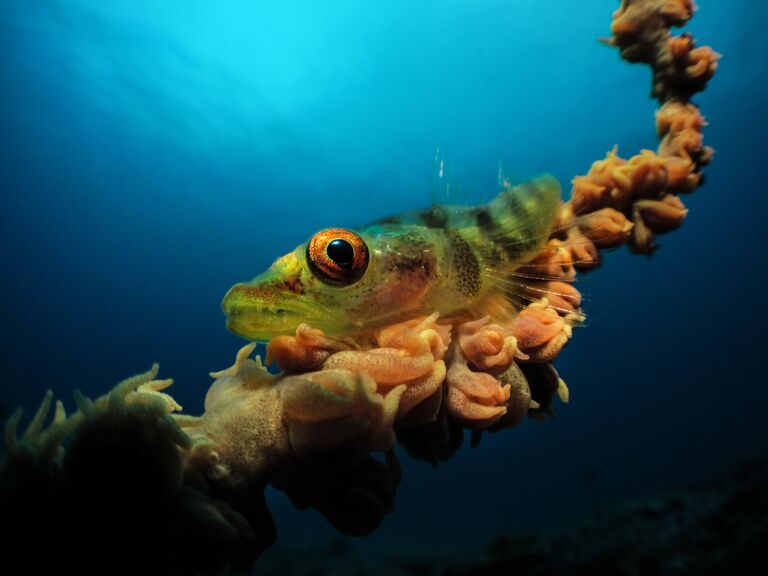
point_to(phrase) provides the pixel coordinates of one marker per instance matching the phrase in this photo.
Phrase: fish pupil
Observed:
(341, 252)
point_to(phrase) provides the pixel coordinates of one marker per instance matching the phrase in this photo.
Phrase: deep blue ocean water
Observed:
(154, 153)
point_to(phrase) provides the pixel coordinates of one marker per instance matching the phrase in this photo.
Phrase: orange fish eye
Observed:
(337, 256)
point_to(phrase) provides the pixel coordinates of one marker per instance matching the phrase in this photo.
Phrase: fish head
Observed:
(314, 284)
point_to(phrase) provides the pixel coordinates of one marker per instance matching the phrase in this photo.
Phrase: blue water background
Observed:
(154, 153)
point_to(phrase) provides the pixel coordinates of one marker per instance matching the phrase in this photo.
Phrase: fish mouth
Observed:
(260, 312)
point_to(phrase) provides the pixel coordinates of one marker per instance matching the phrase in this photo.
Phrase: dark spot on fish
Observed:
(502, 240)
(435, 217)
(485, 220)
(466, 265)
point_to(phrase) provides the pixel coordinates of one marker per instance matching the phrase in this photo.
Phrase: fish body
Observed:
(447, 259)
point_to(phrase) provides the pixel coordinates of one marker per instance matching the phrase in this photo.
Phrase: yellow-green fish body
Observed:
(447, 259)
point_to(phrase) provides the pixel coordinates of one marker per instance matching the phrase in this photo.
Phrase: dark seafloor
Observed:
(152, 154)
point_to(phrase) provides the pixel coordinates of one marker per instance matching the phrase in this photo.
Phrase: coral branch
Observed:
(643, 189)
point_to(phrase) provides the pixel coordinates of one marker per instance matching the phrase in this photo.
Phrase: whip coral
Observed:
(311, 429)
